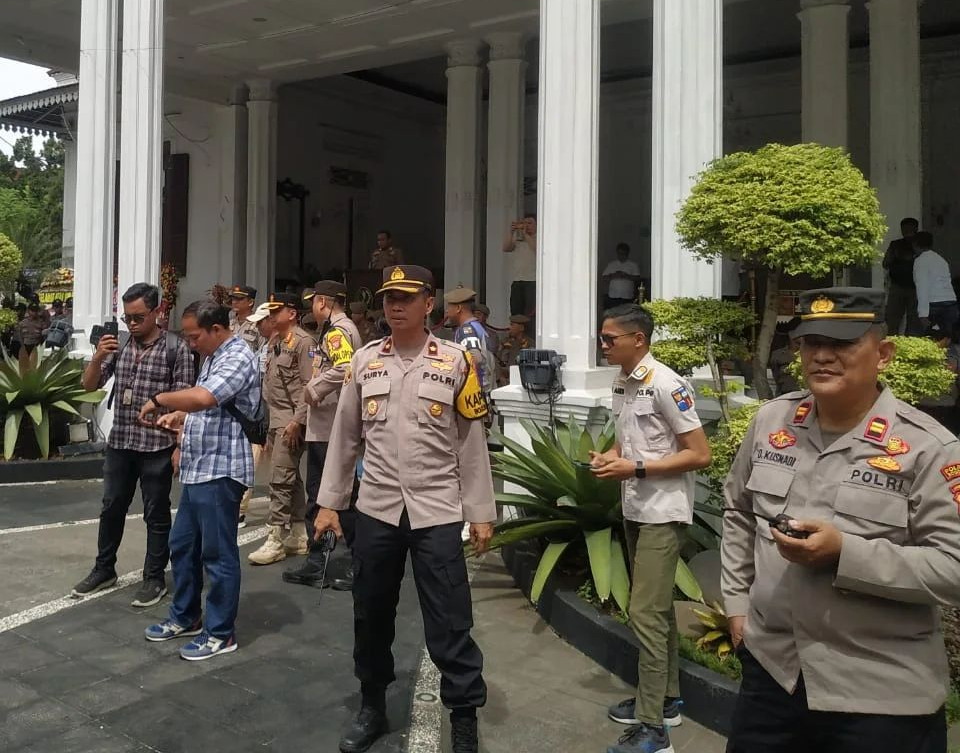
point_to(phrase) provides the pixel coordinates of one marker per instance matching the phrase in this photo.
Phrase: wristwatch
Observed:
(155, 401)
(640, 471)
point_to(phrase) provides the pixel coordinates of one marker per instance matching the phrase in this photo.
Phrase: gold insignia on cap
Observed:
(397, 274)
(822, 305)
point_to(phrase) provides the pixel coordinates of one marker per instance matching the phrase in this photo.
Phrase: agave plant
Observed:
(53, 384)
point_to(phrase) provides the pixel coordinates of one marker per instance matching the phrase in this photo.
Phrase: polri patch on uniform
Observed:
(955, 491)
(372, 407)
(877, 429)
(782, 439)
(896, 446)
(800, 415)
(682, 398)
(951, 472)
(335, 340)
(884, 463)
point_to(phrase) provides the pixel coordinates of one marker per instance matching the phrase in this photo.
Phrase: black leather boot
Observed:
(344, 581)
(308, 574)
(463, 732)
(367, 726)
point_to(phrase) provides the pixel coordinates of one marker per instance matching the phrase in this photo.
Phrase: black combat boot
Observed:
(463, 731)
(310, 573)
(369, 724)
(344, 581)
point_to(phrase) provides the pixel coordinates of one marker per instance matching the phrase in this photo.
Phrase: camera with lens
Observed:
(99, 330)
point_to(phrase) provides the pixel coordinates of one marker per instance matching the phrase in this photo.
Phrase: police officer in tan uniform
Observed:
(333, 352)
(511, 346)
(289, 369)
(417, 403)
(838, 625)
(243, 301)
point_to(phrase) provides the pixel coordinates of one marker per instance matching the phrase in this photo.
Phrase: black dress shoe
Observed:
(344, 582)
(363, 732)
(308, 574)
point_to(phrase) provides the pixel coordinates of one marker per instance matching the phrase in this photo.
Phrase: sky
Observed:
(15, 79)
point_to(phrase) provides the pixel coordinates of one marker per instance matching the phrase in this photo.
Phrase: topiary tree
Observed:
(701, 331)
(802, 209)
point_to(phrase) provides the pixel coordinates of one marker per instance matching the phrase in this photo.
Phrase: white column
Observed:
(141, 144)
(68, 226)
(233, 190)
(261, 185)
(567, 180)
(505, 108)
(895, 113)
(687, 134)
(823, 60)
(96, 164)
(462, 161)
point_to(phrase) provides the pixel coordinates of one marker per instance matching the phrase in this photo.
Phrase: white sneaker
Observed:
(272, 549)
(296, 542)
(242, 522)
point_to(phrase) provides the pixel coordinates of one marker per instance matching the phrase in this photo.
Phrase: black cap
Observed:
(279, 300)
(840, 313)
(407, 278)
(243, 291)
(328, 288)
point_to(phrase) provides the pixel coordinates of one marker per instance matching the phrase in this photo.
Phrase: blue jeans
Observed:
(204, 538)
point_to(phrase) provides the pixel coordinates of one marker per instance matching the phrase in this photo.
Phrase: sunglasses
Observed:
(609, 340)
(134, 318)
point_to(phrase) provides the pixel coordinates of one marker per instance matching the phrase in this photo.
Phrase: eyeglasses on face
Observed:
(609, 340)
(134, 318)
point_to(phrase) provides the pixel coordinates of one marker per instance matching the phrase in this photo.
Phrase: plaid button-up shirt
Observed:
(142, 372)
(213, 444)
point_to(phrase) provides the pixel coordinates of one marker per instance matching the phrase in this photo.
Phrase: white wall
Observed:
(397, 140)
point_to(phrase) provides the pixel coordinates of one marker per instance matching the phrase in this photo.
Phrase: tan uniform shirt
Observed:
(289, 368)
(248, 332)
(865, 634)
(652, 406)
(507, 356)
(331, 358)
(425, 450)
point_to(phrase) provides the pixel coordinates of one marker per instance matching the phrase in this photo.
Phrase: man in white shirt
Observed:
(521, 242)
(621, 277)
(936, 299)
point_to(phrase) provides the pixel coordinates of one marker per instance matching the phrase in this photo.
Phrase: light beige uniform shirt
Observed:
(425, 449)
(866, 633)
(248, 332)
(289, 368)
(331, 358)
(652, 406)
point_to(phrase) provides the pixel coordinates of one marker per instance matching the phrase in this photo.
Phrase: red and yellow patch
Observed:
(884, 463)
(877, 429)
(897, 446)
(955, 491)
(781, 439)
(335, 340)
(951, 472)
(803, 410)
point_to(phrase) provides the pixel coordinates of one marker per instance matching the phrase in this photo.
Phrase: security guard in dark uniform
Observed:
(416, 403)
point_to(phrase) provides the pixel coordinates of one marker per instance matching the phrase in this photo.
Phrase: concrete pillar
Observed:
(505, 108)
(141, 144)
(69, 201)
(461, 215)
(96, 164)
(824, 66)
(261, 185)
(233, 190)
(687, 134)
(895, 156)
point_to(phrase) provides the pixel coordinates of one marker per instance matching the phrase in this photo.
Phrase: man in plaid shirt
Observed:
(142, 367)
(216, 467)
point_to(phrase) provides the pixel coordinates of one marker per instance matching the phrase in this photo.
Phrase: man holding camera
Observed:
(289, 369)
(143, 366)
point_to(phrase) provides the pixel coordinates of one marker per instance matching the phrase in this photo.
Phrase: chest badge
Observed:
(372, 407)
(877, 429)
(374, 365)
(897, 446)
(803, 410)
(782, 439)
(442, 366)
(436, 410)
(447, 357)
(884, 463)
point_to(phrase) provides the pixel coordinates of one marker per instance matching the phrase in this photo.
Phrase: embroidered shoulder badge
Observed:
(432, 349)
(782, 439)
(682, 398)
(884, 463)
(877, 429)
(951, 472)
(897, 446)
(803, 410)
(955, 491)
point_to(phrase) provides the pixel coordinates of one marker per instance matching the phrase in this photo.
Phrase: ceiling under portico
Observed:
(214, 45)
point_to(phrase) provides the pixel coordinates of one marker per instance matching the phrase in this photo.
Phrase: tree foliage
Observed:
(802, 209)
(11, 260)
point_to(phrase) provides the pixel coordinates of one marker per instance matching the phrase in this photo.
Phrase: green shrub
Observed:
(729, 666)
